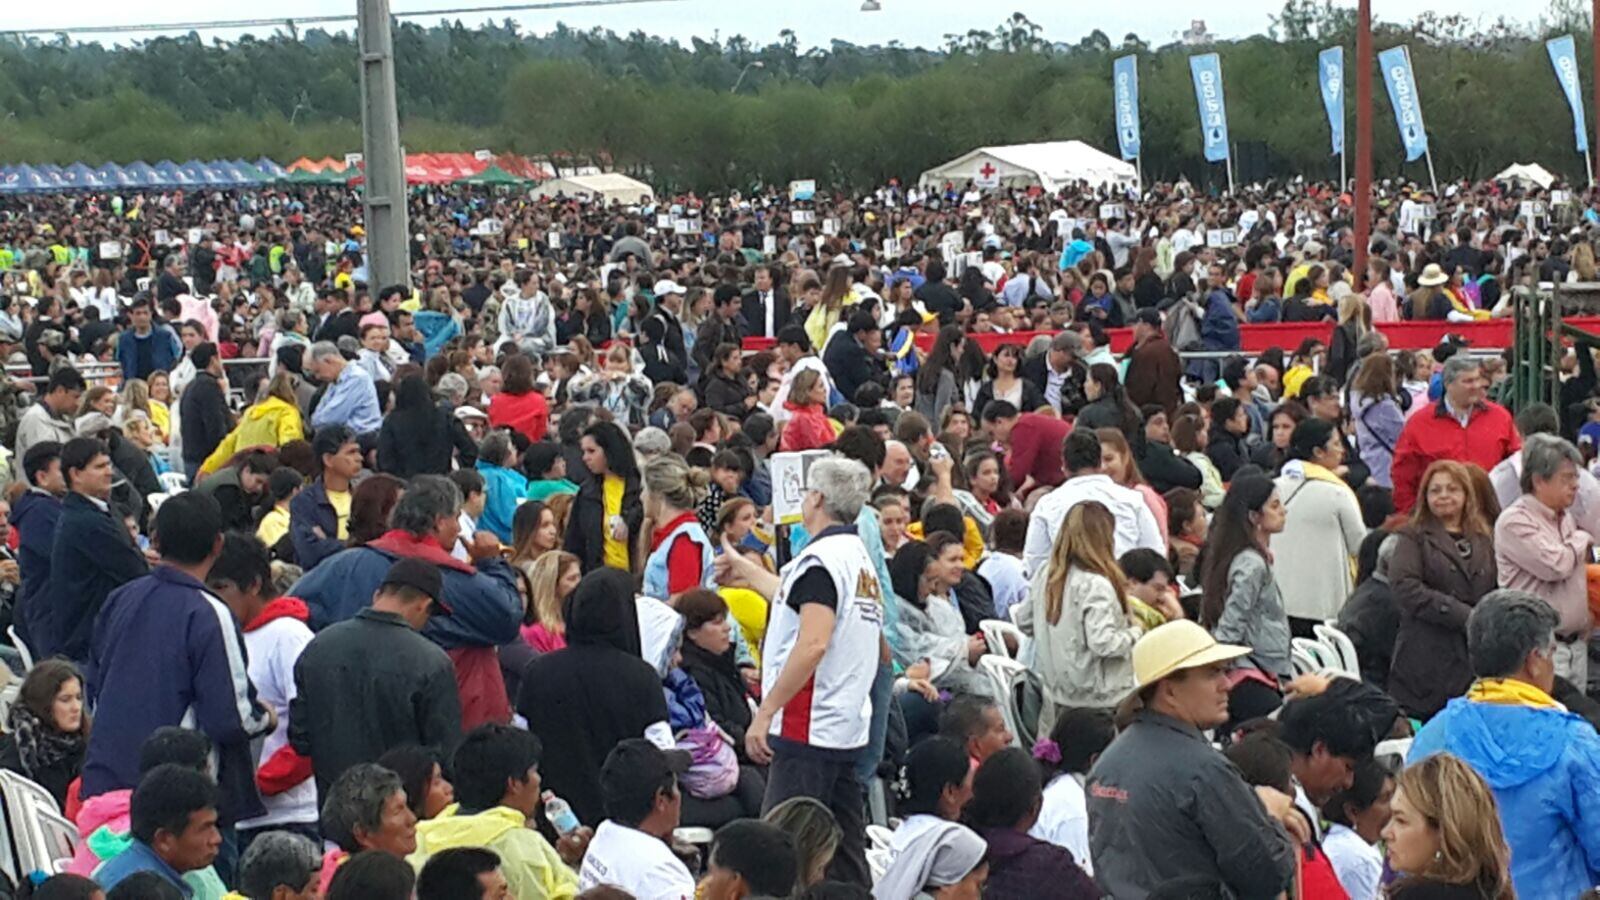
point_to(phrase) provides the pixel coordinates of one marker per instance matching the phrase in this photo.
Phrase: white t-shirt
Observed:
(636, 862)
(1006, 579)
(1136, 525)
(1064, 819)
(1357, 864)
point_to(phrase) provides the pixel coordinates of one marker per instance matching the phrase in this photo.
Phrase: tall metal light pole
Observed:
(383, 196)
(1594, 28)
(1363, 190)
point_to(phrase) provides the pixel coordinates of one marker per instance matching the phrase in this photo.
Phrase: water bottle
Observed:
(559, 814)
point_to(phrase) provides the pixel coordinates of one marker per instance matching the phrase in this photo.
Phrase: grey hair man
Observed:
(365, 809)
(279, 865)
(1506, 478)
(1539, 759)
(1540, 548)
(823, 645)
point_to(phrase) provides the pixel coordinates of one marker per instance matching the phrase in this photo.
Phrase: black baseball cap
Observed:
(1148, 317)
(635, 769)
(421, 576)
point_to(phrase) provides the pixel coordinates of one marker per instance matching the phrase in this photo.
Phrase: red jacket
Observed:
(528, 413)
(1432, 434)
(1036, 449)
(807, 429)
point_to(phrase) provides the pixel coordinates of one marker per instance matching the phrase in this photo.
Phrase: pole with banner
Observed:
(1564, 59)
(1330, 64)
(1395, 63)
(1125, 93)
(1206, 69)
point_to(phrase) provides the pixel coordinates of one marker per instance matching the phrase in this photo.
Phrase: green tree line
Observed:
(847, 115)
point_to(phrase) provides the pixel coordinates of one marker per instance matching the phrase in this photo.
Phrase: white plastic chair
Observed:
(1002, 672)
(994, 634)
(1330, 635)
(1393, 752)
(173, 482)
(1302, 662)
(22, 648)
(1324, 656)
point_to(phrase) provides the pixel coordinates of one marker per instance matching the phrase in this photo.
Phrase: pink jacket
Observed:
(106, 810)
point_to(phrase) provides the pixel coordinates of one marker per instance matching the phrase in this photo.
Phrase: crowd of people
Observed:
(609, 535)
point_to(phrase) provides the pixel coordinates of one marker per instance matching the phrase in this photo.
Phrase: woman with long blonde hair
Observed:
(1445, 836)
(551, 578)
(1084, 627)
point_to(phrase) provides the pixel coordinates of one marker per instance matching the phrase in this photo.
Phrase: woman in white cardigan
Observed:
(1313, 557)
(1084, 629)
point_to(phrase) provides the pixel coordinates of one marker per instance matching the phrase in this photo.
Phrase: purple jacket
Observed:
(1025, 867)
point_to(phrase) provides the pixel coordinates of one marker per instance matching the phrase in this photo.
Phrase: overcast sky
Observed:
(912, 22)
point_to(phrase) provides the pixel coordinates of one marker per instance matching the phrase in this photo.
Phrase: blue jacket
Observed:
(168, 652)
(486, 608)
(351, 400)
(165, 351)
(139, 858)
(504, 488)
(308, 510)
(92, 555)
(1543, 766)
(35, 518)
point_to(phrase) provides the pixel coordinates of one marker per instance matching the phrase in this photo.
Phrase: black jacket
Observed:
(713, 333)
(367, 685)
(1227, 451)
(344, 322)
(579, 716)
(726, 395)
(92, 556)
(1032, 398)
(423, 442)
(1342, 352)
(1165, 469)
(596, 327)
(204, 411)
(1372, 621)
(586, 527)
(754, 312)
(661, 345)
(238, 507)
(1037, 370)
(134, 464)
(851, 365)
(727, 700)
(941, 299)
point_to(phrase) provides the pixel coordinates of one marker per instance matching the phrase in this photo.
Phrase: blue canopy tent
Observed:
(140, 174)
(272, 170)
(246, 173)
(172, 175)
(229, 174)
(26, 179)
(111, 175)
(82, 177)
(201, 173)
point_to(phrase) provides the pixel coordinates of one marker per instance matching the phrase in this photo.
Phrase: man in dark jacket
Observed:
(1193, 814)
(720, 327)
(852, 358)
(319, 516)
(1158, 463)
(237, 490)
(1154, 369)
(372, 683)
(765, 309)
(92, 554)
(939, 297)
(203, 409)
(1058, 373)
(661, 337)
(486, 608)
(35, 516)
(168, 652)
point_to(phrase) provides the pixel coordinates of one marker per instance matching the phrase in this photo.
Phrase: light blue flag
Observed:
(1564, 57)
(1330, 65)
(1207, 71)
(1395, 64)
(1125, 90)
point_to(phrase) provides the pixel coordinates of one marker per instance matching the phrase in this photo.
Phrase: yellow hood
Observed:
(272, 407)
(449, 829)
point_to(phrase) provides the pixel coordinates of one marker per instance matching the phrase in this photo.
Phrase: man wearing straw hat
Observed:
(1164, 804)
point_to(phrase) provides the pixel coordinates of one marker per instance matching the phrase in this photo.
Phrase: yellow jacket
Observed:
(270, 423)
(531, 866)
(971, 542)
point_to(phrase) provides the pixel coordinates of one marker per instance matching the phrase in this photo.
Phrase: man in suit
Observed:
(765, 306)
(333, 318)
(1058, 374)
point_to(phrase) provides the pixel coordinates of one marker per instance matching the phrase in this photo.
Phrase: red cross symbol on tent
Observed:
(987, 171)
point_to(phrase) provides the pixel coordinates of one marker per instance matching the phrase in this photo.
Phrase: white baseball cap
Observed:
(667, 286)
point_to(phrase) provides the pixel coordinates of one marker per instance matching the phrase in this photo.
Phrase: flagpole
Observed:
(1428, 155)
(1588, 166)
(1341, 167)
(1228, 163)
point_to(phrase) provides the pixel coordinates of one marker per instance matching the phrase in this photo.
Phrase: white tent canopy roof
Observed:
(1050, 165)
(1531, 173)
(607, 186)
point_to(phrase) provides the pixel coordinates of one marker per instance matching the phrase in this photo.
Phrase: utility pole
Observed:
(1363, 189)
(1594, 28)
(383, 195)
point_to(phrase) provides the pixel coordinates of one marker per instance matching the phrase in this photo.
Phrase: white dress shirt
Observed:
(1136, 524)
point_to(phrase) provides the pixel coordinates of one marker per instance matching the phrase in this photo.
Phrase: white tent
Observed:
(1050, 165)
(609, 187)
(1527, 173)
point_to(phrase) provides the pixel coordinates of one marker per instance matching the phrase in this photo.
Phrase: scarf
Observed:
(1510, 692)
(40, 745)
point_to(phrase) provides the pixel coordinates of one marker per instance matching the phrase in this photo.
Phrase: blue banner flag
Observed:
(1395, 63)
(1564, 57)
(1330, 66)
(1207, 72)
(1125, 90)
